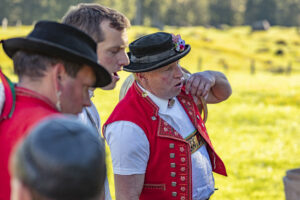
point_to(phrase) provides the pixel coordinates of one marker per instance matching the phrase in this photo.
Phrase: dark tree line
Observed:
(165, 12)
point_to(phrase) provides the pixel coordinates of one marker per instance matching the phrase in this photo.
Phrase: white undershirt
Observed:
(84, 117)
(129, 147)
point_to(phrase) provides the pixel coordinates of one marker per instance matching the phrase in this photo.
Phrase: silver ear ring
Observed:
(58, 105)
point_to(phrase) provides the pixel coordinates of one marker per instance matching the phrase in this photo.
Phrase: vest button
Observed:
(182, 169)
(153, 118)
(182, 160)
(181, 149)
(173, 174)
(182, 178)
(172, 155)
(174, 184)
(173, 165)
(171, 145)
(174, 194)
(182, 189)
(182, 198)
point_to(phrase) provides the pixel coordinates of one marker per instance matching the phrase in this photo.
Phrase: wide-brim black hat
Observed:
(61, 41)
(156, 50)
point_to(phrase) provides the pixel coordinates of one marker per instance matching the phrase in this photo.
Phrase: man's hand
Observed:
(199, 84)
(211, 85)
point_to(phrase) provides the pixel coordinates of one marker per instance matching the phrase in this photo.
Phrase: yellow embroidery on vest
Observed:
(195, 140)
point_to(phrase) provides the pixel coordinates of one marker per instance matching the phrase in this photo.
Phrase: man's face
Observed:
(111, 52)
(165, 82)
(75, 91)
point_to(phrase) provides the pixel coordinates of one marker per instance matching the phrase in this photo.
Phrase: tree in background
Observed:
(221, 12)
(257, 10)
(290, 10)
(167, 12)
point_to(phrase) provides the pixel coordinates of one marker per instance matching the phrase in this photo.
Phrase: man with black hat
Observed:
(159, 144)
(60, 159)
(56, 65)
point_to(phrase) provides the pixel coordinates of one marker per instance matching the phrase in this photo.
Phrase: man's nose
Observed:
(87, 102)
(124, 60)
(178, 72)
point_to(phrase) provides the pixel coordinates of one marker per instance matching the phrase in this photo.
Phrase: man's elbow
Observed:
(223, 94)
(228, 92)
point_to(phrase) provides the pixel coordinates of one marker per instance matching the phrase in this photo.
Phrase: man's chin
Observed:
(70, 111)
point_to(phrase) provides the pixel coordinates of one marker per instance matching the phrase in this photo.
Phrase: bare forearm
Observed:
(129, 187)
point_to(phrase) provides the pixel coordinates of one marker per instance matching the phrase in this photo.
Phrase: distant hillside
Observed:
(276, 50)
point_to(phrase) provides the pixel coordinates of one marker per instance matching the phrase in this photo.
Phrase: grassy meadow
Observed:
(256, 131)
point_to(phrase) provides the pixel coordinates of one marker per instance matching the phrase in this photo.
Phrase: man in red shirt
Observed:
(56, 65)
(60, 159)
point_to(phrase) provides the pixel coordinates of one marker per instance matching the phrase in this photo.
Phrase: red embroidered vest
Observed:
(169, 172)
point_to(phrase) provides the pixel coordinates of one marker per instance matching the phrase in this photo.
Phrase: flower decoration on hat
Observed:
(178, 42)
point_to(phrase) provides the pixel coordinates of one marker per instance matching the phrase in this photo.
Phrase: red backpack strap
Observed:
(10, 97)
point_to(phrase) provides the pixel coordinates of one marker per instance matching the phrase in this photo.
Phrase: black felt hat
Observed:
(62, 159)
(154, 51)
(62, 41)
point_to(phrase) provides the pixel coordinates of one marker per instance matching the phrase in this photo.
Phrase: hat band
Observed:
(153, 58)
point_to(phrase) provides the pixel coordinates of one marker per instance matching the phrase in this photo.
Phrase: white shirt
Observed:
(90, 117)
(129, 147)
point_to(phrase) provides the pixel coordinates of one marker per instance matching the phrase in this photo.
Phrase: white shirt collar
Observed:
(161, 103)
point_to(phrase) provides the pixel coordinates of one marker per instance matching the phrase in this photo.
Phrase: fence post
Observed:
(4, 23)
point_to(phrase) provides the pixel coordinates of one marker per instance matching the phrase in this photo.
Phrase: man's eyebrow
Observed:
(118, 47)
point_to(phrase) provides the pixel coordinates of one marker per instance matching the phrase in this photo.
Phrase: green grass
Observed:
(256, 131)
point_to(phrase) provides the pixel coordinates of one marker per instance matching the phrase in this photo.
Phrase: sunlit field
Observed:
(256, 131)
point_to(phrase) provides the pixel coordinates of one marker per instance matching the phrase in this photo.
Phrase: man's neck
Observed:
(39, 86)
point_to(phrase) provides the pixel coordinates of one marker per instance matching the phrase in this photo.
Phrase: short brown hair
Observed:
(34, 65)
(88, 17)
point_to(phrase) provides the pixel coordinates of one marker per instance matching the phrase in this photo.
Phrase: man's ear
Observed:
(59, 75)
(141, 76)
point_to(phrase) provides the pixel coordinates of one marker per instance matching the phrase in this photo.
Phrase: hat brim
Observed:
(145, 67)
(11, 46)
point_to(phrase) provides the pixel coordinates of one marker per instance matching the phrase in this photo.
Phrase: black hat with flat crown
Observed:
(153, 51)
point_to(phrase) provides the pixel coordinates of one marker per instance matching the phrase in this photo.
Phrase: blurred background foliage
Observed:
(167, 12)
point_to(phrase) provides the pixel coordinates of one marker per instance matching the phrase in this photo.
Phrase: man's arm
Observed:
(129, 148)
(129, 187)
(211, 85)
